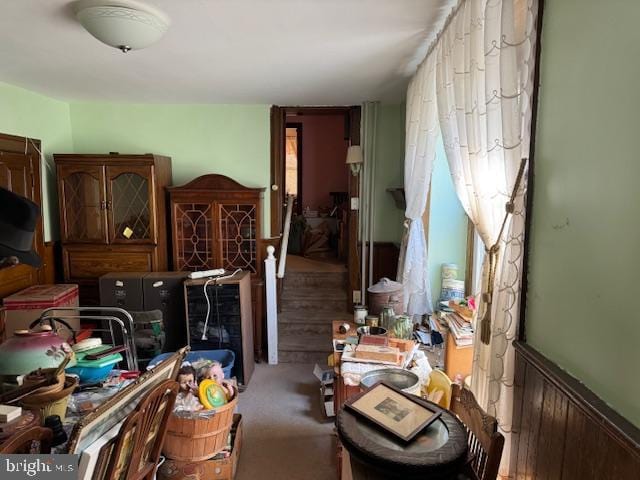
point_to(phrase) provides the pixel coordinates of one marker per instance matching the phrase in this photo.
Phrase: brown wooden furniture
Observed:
(30, 440)
(439, 452)
(112, 216)
(20, 173)
(457, 360)
(484, 440)
(230, 322)
(561, 429)
(137, 450)
(217, 223)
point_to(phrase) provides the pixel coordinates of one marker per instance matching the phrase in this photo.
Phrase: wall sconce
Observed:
(354, 159)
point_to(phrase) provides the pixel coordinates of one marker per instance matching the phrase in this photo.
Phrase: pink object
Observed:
(471, 301)
(27, 351)
(24, 307)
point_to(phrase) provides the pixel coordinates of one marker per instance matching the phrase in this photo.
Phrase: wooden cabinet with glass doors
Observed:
(216, 223)
(20, 173)
(112, 216)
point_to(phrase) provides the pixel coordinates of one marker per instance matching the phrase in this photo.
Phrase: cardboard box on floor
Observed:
(22, 308)
(326, 389)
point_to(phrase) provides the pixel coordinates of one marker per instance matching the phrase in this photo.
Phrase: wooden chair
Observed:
(439, 388)
(139, 442)
(485, 442)
(31, 440)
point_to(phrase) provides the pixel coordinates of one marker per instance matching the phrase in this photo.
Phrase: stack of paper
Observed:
(461, 329)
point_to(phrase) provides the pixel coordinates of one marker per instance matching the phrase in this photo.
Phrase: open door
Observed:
(279, 123)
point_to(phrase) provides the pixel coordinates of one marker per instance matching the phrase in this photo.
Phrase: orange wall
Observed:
(324, 151)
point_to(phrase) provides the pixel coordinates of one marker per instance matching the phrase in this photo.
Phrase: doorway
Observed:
(309, 146)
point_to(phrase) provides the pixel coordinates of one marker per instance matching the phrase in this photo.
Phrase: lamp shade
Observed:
(123, 24)
(354, 155)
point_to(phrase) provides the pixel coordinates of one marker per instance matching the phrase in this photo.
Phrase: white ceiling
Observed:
(290, 52)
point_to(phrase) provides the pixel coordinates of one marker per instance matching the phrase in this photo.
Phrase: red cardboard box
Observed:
(24, 307)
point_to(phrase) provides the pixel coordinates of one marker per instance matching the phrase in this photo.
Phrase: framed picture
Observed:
(91, 427)
(393, 410)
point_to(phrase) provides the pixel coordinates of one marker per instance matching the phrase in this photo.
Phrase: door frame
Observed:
(297, 208)
(352, 115)
(278, 126)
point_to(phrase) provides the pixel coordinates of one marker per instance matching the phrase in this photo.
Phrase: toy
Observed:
(187, 379)
(211, 393)
(214, 372)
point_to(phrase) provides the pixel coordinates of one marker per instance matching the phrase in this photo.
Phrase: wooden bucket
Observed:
(198, 438)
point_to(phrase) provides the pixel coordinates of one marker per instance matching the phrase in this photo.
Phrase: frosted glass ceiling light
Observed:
(122, 24)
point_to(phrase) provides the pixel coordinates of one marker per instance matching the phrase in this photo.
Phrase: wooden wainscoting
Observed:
(564, 431)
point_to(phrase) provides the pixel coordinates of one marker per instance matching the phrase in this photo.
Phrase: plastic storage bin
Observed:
(226, 357)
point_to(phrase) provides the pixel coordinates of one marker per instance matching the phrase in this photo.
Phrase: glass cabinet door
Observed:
(237, 236)
(83, 204)
(130, 204)
(192, 236)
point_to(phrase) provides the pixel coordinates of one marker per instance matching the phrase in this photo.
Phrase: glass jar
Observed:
(403, 327)
(359, 314)
(387, 317)
(371, 321)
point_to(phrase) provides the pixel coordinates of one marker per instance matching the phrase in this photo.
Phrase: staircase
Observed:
(310, 302)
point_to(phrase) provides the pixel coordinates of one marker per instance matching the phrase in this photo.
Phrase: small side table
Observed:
(439, 452)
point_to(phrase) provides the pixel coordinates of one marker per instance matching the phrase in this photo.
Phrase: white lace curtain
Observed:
(484, 63)
(420, 151)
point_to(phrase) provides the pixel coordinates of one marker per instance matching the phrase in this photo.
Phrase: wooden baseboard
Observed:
(564, 430)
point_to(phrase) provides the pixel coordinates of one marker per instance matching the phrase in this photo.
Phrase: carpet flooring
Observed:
(286, 436)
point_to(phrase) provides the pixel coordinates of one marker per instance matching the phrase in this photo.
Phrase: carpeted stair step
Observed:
(322, 317)
(304, 329)
(310, 305)
(315, 280)
(334, 293)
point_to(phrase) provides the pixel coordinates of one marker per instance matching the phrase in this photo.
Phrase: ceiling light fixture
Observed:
(122, 24)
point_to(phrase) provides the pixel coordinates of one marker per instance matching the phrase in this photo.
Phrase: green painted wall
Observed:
(582, 307)
(389, 173)
(447, 241)
(232, 140)
(32, 115)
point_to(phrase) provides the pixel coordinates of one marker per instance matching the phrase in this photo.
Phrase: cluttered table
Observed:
(439, 448)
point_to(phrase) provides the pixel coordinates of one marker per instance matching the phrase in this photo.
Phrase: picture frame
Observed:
(95, 424)
(393, 410)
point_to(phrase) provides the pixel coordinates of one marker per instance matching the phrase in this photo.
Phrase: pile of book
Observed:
(460, 328)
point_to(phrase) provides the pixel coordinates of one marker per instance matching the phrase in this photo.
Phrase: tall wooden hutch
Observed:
(112, 216)
(216, 223)
(20, 173)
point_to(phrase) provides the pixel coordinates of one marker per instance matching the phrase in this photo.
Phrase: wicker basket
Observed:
(198, 438)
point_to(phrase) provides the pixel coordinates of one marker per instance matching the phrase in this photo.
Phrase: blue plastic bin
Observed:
(226, 357)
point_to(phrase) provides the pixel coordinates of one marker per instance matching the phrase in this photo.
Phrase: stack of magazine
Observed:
(460, 328)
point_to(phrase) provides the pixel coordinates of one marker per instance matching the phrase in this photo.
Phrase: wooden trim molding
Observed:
(524, 281)
(564, 430)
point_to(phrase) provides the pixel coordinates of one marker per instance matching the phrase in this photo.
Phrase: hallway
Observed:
(286, 436)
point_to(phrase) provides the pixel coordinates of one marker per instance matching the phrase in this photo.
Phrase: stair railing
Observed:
(284, 244)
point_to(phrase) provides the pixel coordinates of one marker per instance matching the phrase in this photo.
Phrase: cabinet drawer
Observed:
(90, 264)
